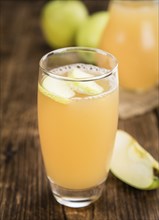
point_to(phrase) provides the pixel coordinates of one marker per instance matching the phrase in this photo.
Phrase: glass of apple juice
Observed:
(77, 118)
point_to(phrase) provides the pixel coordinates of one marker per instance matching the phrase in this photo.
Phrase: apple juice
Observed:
(77, 135)
(132, 36)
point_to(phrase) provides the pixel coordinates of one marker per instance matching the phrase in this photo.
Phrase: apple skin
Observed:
(90, 32)
(60, 21)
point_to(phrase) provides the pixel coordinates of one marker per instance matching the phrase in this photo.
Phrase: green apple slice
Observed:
(87, 88)
(132, 164)
(57, 90)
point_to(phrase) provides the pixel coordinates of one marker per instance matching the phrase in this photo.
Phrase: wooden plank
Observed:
(24, 190)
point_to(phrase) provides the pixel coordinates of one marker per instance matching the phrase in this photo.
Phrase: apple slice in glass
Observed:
(87, 88)
(58, 90)
(132, 164)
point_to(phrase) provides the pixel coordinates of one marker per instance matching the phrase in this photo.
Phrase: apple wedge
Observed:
(132, 164)
(57, 90)
(87, 88)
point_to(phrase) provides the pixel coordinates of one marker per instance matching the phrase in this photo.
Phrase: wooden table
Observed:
(25, 193)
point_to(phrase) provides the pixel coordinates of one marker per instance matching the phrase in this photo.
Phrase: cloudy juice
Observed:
(132, 36)
(77, 136)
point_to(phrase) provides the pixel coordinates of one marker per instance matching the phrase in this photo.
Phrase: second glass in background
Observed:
(132, 36)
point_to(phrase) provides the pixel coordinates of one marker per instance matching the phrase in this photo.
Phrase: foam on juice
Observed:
(107, 82)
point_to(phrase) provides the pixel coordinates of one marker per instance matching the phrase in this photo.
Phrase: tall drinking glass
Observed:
(77, 116)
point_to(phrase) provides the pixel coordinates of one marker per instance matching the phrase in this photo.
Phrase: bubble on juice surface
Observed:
(93, 70)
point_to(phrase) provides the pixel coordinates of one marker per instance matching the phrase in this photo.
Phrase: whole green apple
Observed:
(60, 21)
(90, 32)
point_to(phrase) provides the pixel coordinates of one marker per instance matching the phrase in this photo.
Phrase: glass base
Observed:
(76, 198)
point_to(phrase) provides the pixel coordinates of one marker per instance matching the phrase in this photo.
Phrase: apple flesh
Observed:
(58, 90)
(62, 91)
(60, 21)
(87, 88)
(132, 164)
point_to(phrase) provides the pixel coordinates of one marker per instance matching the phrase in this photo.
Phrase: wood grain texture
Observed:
(24, 190)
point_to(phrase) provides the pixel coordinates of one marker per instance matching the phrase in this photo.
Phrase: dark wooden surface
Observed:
(24, 191)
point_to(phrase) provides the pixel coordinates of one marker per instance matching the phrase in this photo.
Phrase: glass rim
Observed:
(74, 49)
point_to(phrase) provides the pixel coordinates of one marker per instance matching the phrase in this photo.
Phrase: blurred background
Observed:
(23, 40)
